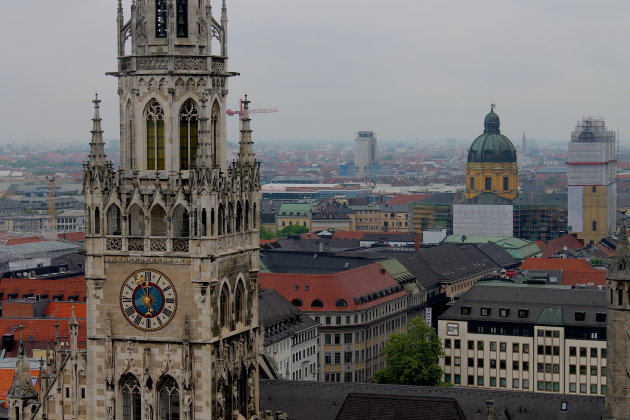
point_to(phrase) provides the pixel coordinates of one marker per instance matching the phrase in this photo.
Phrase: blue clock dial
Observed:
(148, 300)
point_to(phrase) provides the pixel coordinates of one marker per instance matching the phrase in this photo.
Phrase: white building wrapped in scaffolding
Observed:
(592, 182)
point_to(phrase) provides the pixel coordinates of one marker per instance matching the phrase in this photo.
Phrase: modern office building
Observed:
(592, 182)
(526, 338)
(365, 153)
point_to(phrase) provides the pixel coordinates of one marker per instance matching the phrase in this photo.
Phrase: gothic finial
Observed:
(97, 146)
(246, 149)
(204, 156)
(73, 318)
(21, 387)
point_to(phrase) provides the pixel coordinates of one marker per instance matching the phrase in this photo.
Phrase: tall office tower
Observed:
(365, 153)
(172, 236)
(592, 182)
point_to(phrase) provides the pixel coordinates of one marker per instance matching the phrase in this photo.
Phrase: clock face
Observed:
(148, 300)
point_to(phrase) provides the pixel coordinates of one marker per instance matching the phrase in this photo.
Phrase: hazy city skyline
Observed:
(410, 71)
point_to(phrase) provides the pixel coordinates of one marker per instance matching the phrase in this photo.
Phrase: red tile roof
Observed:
(20, 241)
(71, 236)
(68, 286)
(562, 243)
(574, 271)
(64, 310)
(609, 252)
(328, 288)
(6, 379)
(38, 333)
(407, 198)
(344, 234)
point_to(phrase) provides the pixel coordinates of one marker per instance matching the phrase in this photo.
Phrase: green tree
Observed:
(293, 230)
(267, 234)
(412, 357)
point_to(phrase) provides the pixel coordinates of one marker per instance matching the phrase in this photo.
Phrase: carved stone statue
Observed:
(110, 402)
(188, 406)
(221, 402)
(148, 404)
(251, 404)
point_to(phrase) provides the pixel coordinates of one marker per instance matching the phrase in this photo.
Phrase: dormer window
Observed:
(485, 311)
(580, 316)
(523, 313)
(503, 312)
(465, 310)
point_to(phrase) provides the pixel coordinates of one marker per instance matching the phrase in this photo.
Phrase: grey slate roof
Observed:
(309, 245)
(497, 254)
(276, 311)
(535, 299)
(541, 199)
(323, 400)
(37, 247)
(305, 263)
(394, 407)
(438, 199)
(389, 237)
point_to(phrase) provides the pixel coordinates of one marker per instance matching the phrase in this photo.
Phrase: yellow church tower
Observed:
(492, 166)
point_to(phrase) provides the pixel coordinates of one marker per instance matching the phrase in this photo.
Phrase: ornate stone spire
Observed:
(204, 148)
(246, 150)
(22, 387)
(97, 146)
(224, 23)
(619, 268)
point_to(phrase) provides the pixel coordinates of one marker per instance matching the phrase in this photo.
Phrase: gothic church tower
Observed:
(618, 325)
(172, 236)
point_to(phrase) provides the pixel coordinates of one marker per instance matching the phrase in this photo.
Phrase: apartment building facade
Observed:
(523, 338)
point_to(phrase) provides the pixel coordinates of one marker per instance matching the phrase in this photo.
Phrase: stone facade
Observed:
(171, 237)
(618, 278)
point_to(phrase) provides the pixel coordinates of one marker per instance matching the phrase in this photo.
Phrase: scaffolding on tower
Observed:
(52, 217)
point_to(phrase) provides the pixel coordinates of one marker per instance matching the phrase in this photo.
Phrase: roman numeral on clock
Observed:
(126, 299)
(137, 320)
(170, 300)
(166, 289)
(167, 312)
(129, 310)
(147, 276)
(159, 320)
(148, 323)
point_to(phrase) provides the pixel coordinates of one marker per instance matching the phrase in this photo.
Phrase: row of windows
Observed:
(583, 388)
(349, 319)
(573, 351)
(309, 351)
(302, 337)
(573, 370)
(181, 18)
(457, 380)
(516, 365)
(488, 183)
(155, 135)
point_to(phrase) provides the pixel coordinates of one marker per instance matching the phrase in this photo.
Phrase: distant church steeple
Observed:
(22, 394)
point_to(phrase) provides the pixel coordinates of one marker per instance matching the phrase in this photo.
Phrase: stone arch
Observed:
(188, 133)
(230, 218)
(254, 216)
(136, 220)
(181, 222)
(130, 136)
(215, 130)
(224, 306)
(190, 84)
(130, 397)
(152, 83)
(97, 221)
(213, 228)
(179, 83)
(155, 143)
(158, 221)
(169, 398)
(201, 83)
(114, 220)
(221, 219)
(239, 217)
(247, 216)
(240, 301)
(162, 85)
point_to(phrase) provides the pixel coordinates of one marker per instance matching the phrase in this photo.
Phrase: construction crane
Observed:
(52, 217)
(231, 112)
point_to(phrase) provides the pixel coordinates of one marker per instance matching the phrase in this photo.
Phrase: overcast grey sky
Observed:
(408, 69)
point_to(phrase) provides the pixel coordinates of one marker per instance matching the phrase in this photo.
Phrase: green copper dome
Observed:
(492, 146)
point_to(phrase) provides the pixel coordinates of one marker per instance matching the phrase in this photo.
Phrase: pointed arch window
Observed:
(131, 159)
(160, 19)
(155, 136)
(239, 303)
(113, 220)
(131, 399)
(214, 131)
(224, 308)
(181, 222)
(158, 221)
(188, 134)
(169, 399)
(182, 18)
